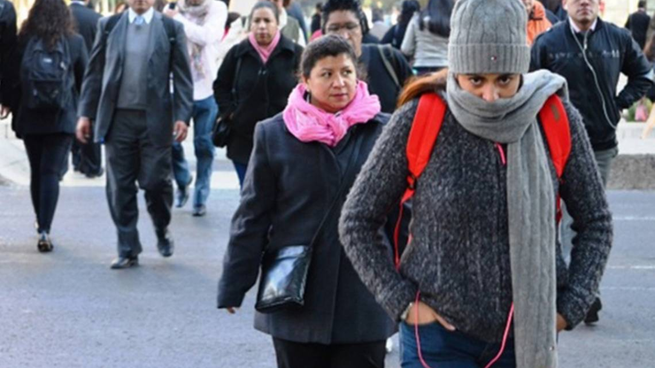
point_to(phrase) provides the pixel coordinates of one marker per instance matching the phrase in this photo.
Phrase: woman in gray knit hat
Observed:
(483, 281)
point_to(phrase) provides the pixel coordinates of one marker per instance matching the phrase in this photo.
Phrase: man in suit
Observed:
(87, 158)
(127, 91)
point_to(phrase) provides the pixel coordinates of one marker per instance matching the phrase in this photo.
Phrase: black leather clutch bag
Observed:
(284, 277)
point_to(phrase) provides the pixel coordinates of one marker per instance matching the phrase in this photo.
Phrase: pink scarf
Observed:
(308, 123)
(265, 51)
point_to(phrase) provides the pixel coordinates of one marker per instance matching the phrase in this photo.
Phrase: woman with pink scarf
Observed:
(303, 164)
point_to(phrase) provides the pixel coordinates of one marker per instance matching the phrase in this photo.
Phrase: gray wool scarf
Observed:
(531, 205)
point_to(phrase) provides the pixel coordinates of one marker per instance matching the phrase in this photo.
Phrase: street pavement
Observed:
(68, 309)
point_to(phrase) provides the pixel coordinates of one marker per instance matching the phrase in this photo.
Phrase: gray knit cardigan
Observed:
(459, 256)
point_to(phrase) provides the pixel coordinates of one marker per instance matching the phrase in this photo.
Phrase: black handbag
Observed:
(284, 272)
(221, 130)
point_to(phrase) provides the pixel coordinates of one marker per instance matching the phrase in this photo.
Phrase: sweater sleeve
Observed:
(582, 191)
(379, 186)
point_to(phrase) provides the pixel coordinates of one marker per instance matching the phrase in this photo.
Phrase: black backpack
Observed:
(47, 77)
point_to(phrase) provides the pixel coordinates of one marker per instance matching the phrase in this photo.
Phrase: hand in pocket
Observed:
(422, 314)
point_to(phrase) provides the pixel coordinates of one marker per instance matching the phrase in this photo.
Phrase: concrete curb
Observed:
(633, 172)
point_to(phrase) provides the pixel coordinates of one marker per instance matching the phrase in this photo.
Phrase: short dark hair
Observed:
(265, 5)
(329, 45)
(641, 4)
(345, 5)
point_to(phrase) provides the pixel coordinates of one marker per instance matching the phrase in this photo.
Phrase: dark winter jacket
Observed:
(288, 189)
(610, 51)
(261, 90)
(27, 121)
(556, 16)
(86, 22)
(380, 80)
(459, 257)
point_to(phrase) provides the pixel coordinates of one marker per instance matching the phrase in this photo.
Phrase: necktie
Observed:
(139, 20)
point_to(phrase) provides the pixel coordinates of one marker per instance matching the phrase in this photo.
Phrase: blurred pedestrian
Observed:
(303, 164)
(396, 34)
(367, 37)
(127, 92)
(7, 45)
(649, 52)
(121, 6)
(87, 158)
(386, 67)
(294, 10)
(316, 18)
(593, 80)
(254, 81)
(49, 63)
(426, 40)
(537, 21)
(289, 25)
(638, 23)
(204, 24)
(380, 27)
(478, 284)
(555, 11)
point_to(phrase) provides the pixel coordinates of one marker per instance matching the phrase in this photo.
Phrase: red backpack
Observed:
(427, 125)
(422, 138)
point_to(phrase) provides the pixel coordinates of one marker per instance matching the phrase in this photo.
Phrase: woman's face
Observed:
(345, 23)
(263, 26)
(332, 83)
(490, 87)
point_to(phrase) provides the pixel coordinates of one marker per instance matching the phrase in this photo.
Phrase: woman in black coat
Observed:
(43, 118)
(255, 80)
(303, 164)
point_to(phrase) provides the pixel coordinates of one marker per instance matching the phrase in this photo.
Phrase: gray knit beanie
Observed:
(489, 36)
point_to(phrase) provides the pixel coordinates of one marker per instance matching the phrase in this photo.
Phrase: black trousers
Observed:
(47, 154)
(300, 355)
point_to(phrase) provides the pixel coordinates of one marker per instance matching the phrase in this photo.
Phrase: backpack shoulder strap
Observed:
(555, 124)
(420, 144)
(111, 24)
(388, 64)
(423, 135)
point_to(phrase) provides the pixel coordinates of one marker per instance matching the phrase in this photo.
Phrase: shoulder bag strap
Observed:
(350, 169)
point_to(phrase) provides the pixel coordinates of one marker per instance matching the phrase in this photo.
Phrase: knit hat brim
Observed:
(489, 59)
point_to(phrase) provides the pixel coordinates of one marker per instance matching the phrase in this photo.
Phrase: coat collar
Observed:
(285, 45)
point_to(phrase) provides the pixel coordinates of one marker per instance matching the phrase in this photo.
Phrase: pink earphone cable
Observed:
(418, 337)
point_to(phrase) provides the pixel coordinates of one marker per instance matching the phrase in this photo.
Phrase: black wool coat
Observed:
(287, 191)
(261, 90)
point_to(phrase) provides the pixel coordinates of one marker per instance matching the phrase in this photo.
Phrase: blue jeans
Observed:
(241, 172)
(204, 117)
(441, 348)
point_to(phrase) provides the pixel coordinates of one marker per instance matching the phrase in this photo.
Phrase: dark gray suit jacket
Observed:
(102, 80)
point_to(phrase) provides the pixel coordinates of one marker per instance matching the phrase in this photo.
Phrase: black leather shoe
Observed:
(45, 244)
(95, 174)
(165, 243)
(124, 262)
(592, 315)
(200, 211)
(182, 194)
